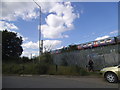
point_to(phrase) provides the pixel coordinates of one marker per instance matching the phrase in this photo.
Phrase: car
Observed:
(111, 74)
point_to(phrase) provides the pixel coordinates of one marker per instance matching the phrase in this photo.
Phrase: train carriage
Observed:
(90, 44)
(110, 40)
(102, 42)
(58, 51)
(84, 46)
(79, 47)
(95, 43)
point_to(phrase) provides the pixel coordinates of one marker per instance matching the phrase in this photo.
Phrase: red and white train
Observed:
(93, 44)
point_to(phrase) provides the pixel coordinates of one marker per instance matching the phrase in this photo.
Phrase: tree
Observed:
(11, 45)
(25, 59)
(46, 58)
(72, 47)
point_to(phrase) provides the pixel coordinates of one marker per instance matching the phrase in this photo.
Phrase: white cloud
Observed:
(20, 35)
(30, 48)
(62, 0)
(9, 26)
(24, 38)
(66, 36)
(114, 32)
(11, 11)
(33, 47)
(28, 53)
(46, 43)
(103, 37)
(60, 21)
(51, 44)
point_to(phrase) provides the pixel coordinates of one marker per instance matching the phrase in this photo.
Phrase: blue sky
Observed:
(97, 20)
(83, 22)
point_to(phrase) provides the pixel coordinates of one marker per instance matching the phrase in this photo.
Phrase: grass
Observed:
(43, 68)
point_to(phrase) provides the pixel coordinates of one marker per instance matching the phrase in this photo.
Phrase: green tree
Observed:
(25, 59)
(46, 58)
(72, 47)
(11, 45)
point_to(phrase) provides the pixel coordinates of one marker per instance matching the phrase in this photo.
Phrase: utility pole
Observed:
(31, 56)
(40, 40)
(41, 47)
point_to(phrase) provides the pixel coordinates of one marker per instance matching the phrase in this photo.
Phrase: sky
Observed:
(62, 23)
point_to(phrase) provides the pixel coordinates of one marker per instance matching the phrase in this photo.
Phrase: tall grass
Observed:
(42, 68)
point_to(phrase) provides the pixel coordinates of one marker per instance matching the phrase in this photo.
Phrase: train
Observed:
(90, 45)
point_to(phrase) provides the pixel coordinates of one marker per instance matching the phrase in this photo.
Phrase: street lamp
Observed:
(40, 43)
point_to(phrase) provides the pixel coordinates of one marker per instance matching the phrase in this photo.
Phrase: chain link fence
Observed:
(102, 56)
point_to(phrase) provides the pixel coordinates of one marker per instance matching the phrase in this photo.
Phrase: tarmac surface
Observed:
(52, 81)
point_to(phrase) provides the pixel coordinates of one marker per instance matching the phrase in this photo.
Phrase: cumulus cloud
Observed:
(103, 37)
(32, 47)
(20, 35)
(11, 11)
(25, 38)
(28, 53)
(9, 26)
(114, 32)
(59, 21)
(51, 44)
(63, 0)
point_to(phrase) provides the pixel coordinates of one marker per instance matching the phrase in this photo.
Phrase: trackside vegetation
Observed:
(39, 69)
(14, 64)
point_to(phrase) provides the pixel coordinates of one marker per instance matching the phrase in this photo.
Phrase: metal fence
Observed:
(102, 56)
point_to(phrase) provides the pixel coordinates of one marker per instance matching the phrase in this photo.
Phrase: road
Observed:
(45, 81)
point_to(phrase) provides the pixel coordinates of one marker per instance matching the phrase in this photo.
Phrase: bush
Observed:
(67, 70)
(42, 68)
(46, 58)
(10, 68)
(81, 71)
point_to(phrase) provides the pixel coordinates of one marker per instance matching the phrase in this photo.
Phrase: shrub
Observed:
(42, 68)
(83, 72)
(46, 58)
(10, 68)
